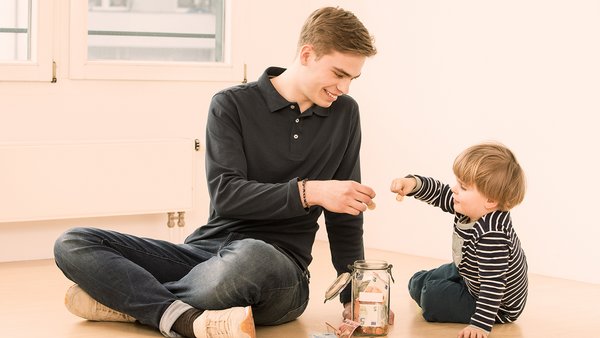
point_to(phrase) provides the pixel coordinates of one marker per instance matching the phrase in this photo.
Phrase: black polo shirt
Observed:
(258, 145)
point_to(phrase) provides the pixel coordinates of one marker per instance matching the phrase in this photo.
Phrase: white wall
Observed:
(451, 74)
(447, 75)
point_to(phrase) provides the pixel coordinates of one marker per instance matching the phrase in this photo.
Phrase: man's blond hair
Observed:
(494, 171)
(331, 29)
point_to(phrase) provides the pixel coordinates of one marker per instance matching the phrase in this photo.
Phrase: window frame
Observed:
(231, 69)
(40, 67)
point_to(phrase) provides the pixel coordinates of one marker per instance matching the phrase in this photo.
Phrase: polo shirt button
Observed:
(297, 120)
(292, 106)
(295, 136)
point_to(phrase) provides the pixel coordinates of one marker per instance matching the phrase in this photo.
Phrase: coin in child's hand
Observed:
(371, 205)
(399, 198)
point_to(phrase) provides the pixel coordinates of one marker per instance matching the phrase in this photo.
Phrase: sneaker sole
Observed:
(247, 325)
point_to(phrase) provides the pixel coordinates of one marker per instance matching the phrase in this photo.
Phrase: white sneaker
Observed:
(235, 322)
(79, 303)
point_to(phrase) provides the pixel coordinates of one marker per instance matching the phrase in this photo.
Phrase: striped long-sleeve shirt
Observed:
(493, 263)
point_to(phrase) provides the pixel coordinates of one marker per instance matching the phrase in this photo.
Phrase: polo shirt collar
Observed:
(275, 101)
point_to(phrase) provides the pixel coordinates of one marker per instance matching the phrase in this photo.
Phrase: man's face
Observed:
(329, 76)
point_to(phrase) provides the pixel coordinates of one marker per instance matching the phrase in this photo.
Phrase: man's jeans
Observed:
(156, 281)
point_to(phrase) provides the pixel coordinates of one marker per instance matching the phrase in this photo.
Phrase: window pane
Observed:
(15, 30)
(156, 30)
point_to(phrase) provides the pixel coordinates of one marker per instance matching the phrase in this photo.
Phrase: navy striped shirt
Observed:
(493, 263)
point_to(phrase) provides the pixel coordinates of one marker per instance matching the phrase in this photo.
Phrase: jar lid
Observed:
(337, 286)
(371, 265)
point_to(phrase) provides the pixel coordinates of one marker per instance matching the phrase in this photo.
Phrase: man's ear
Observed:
(306, 53)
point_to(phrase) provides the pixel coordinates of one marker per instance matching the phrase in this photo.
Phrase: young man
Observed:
(280, 152)
(487, 282)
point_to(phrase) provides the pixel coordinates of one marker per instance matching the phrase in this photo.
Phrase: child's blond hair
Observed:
(494, 171)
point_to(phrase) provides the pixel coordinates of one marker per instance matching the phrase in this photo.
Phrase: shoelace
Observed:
(218, 328)
(105, 309)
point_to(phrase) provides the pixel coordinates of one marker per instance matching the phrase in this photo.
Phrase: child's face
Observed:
(470, 202)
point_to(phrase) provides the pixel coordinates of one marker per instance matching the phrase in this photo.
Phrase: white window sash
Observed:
(39, 68)
(231, 69)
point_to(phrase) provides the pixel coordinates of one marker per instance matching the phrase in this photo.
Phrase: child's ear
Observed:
(491, 204)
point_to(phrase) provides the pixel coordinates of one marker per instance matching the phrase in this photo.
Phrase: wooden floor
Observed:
(32, 294)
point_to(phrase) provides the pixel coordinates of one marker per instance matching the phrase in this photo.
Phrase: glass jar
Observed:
(370, 295)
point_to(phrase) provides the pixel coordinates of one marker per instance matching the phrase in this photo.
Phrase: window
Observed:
(119, 5)
(25, 40)
(15, 30)
(165, 31)
(122, 39)
(170, 40)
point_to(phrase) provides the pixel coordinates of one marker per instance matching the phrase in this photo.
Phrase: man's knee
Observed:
(255, 255)
(64, 242)
(67, 244)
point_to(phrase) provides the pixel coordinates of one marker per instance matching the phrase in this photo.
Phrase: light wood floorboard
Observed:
(32, 295)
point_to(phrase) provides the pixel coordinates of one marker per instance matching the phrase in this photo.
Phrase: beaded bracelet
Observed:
(306, 206)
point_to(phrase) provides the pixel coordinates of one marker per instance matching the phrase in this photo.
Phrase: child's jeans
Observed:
(442, 295)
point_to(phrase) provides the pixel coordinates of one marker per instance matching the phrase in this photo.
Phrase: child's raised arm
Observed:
(403, 186)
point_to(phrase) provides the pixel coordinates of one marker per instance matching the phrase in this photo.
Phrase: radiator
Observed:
(93, 179)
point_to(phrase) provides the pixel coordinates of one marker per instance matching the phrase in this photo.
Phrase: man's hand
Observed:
(347, 313)
(472, 332)
(347, 197)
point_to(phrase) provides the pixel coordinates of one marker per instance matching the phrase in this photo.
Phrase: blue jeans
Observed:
(156, 281)
(442, 295)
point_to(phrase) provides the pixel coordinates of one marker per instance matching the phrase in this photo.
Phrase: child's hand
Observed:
(472, 332)
(403, 186)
